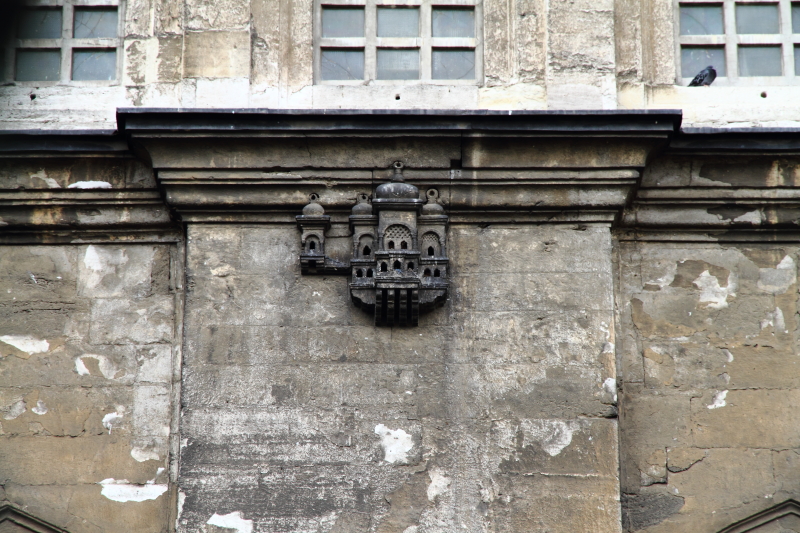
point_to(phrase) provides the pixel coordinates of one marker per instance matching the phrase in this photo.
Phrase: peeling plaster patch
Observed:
(719, 400)
(411, 529)
(711, 293)
(439, 483)
(753, 217)
(14, 410)
(778, 280)
(729, 354)
(26, 343)
(107, 368)
(552, 435)
(142, 454)
(50, 182)
(112, 418)
(181, 501)
(396, 444)
(90, 185)
(123, 491)
(40, 408)
(610, 386)
(80, 368)
(232, 521)
(223, 271)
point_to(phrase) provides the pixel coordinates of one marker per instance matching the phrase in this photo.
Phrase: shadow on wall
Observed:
(8, 14)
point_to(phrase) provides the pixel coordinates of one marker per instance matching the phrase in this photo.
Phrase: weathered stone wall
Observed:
(708, 349)
(495, 414)
(87, 340)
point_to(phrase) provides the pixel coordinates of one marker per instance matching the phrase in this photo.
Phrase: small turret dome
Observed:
(313, 209)
(432, 208)
(362, 209)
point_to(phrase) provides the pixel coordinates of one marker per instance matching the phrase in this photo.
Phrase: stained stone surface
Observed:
(490, 416)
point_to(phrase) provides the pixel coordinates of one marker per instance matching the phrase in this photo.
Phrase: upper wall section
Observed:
(533, 55)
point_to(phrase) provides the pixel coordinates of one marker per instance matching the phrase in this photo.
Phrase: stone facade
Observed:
(617, 349)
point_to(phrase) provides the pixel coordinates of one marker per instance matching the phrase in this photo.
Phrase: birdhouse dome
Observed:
(313, 209)
(397, 189)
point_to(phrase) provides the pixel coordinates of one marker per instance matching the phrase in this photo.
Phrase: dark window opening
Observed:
(397, 265)
(367, 251)
(404, 245)
(391, 245)
(411, 266)
(312, 264)
(431, 251)
(369, 272)
(359, 273)
(312, 245)
(384, 267)
(427, 273)
(436, 273)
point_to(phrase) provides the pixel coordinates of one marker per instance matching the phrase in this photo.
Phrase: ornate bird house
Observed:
(399, 263)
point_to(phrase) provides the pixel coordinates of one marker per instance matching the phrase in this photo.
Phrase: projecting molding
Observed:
(13, 520)
(785, 516)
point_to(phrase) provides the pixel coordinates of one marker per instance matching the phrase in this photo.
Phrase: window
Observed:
(388, 43)
(65, 41)
(745, 41)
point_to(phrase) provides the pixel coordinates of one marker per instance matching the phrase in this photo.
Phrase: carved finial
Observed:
(398, 171)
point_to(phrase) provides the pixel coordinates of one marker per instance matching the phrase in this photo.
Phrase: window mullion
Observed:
(787, 47)
(67, 19)
(425, 41)
(370, 33)
(731, 51)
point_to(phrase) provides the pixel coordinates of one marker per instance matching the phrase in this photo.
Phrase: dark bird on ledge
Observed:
(704, 77)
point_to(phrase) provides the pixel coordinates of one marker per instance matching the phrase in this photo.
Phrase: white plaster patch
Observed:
(778, 280)
(181, 501)
(89, 185)
(80, 368)
(40, 408)
(438, 485)
(123, 491)
(552, 435)
(610, 386)
(26, 343)
(719, 400)
(143, 454)
(729, 355)
(233, 521)
(711, 293)
(396, 444)
(112, 419)
(753, 217)
(107, 367)
(14, 410)
(411, 529)
(50, 182)
(223, 271)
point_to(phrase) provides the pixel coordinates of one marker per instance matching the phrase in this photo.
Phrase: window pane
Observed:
(342, 64)
(701, 20)
(797, 60)
(399, 22)
(757, 18)
(446, 22)
(453, 64)
(40, 24)
(398, 64)
(95, 23)
(342, 22)
(94, 65)
(795, 18)
(760, 61)
(38, 65)
(696, 58)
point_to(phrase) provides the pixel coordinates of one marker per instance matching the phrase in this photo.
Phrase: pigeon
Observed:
(705, 77)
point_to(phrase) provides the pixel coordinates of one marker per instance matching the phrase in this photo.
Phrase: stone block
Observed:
(113, 271)
(217, 16)
(121, 321)
(747, 418)
(216, 54)
(170, 58)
